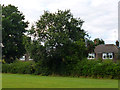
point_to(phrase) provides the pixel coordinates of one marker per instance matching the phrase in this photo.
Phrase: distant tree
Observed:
(98, 41)
(92, 43)
(90, 46)
(13, 29)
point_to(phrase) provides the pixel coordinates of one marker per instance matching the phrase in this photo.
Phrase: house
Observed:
(105, 51)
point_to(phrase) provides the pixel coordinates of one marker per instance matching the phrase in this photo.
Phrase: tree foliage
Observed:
(90, 46)
(13, 29)
(63, 37)
(98, 41)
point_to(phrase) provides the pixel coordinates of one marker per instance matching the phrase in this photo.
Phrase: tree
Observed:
(13, 29)
(98, 41)
(63, 37)
(37, 51)
(92, 43)
(90, 46)
(27, 45)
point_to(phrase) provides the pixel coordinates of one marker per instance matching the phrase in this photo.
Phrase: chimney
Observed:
(117, 43)
(95, 42)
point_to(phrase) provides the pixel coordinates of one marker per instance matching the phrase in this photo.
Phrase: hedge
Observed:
(19, 67)
(86, 68)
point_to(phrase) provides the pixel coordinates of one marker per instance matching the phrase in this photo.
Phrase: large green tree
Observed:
(13, 29)
(63, 37)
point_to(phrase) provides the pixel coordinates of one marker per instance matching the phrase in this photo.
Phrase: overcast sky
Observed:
(100, 16)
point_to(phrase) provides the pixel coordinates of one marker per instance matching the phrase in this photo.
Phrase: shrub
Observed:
(41, 70)
(97, 69)
(5, 68)
(19, 67)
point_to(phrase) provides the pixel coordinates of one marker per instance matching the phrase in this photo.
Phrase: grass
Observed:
(36, 81)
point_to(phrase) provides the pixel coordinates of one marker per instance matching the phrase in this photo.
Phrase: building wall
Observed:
(115, 56)
(98, 55)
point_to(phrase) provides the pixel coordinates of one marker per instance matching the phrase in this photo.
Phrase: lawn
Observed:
(36, 81)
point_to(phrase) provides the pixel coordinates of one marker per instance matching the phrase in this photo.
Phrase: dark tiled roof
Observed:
(107, 48)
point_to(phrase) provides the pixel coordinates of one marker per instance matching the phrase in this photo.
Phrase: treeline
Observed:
(55, 37)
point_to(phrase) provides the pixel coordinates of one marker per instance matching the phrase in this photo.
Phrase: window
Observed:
(107, 56)
(104, 56)
(110, 55)
(91, 56)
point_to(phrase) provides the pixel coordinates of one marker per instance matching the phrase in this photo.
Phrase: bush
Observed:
(97, 69)
(5, 68)
(41, 70)
(19, 67)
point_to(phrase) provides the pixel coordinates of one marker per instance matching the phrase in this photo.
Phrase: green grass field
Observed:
(35, 81)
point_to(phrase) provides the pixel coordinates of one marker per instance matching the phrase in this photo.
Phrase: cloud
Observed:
(100, 16)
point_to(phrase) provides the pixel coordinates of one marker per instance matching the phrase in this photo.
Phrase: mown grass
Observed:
(36, 81)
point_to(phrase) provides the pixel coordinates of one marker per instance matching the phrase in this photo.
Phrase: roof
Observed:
(106, 48)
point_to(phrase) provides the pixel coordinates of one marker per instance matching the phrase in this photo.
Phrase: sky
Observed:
(100, 16)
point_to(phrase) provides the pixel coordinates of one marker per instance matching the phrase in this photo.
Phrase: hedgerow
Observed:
(86, 68)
